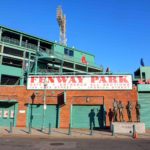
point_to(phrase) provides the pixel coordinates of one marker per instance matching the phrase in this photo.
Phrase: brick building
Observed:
(23, 55)
(59, 110)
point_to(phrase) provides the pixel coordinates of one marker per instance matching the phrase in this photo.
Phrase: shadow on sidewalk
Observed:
(61, 132)
(7, 130)
(24, 131)
(80, 132)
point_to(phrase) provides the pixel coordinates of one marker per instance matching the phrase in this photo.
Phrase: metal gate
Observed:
(40, 117)
(144, 101)
(8, 113)
(87, 116)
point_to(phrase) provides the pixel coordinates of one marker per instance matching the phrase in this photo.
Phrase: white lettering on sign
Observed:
(64, 82)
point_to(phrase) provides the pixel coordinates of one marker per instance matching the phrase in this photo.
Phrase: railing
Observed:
(12, 64)
(77, 73)
(29, 45)
(46, 53)
(65, 57)
(10, 40)
(58, 72)
(17, 42)
(48, 71)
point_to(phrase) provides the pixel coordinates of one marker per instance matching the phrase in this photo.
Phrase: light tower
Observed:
(61, 18)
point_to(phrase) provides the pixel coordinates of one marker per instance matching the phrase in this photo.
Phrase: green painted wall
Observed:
(145, 69)
(144, 101)
(8, 70)
(35, 115)
(59, 50)
(82, 116)
(89, 58)
(144, 87)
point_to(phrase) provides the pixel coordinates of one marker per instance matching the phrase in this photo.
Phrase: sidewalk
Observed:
(63, 133)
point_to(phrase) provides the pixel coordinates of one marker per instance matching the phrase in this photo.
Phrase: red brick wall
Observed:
(95, 98)
(23, 96)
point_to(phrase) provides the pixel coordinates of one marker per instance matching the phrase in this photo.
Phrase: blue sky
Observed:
(117, 32)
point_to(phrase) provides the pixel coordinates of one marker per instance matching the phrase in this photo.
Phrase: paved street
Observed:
(15, 143)
(80, 139)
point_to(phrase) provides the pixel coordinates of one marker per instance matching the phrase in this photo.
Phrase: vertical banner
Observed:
(6, 113)
(12, 114)
(0, 113)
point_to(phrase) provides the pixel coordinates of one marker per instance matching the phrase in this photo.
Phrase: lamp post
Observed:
(44, 104)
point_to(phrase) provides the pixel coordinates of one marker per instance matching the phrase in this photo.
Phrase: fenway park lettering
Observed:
(80, 82)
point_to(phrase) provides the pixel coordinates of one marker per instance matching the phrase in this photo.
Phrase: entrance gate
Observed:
(87, 114)
(36, 118)
(8, 113)
(144, 101)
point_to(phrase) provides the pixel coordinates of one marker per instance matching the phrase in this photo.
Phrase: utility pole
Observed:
(44, 104)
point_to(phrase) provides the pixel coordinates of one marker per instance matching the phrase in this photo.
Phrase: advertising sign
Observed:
(6, 113)
(80, 82)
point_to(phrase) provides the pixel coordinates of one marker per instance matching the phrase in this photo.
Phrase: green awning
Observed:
(9, 101)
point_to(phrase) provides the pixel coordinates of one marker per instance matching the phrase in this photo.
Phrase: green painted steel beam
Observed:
(9, 101)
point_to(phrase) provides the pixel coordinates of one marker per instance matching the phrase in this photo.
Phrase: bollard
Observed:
(49, 129)
(134, 132)
(113, 130)
(11, 127)
(69, 130)
(29, 128)
(91, 130)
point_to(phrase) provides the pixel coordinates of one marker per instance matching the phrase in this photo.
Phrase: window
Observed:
(66, 51)
(143, 75)
(69, 52)
(10, 80)
(67, 64)
(27, 55)
(9, 61)
(13, 52)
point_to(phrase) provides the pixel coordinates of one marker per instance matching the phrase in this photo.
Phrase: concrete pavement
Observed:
(64, 133)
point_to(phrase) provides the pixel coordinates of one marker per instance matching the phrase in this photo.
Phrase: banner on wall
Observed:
(12, 114)
(6, 113)
(0, 113)
(80, 82)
